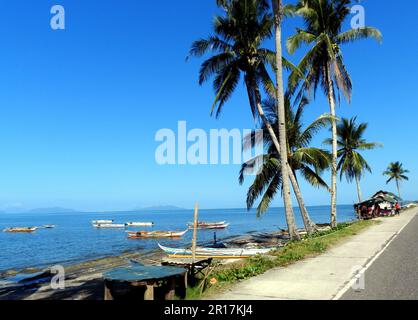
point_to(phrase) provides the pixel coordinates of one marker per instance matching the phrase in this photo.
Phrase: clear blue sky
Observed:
(79, 108)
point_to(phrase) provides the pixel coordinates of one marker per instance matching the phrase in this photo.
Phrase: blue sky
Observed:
(79, 108)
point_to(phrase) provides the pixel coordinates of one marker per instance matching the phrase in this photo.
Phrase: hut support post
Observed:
(149, 293)
(107, 291)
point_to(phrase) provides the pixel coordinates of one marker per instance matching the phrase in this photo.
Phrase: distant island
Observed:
(160, 208)
(41, 210)
(51, 210)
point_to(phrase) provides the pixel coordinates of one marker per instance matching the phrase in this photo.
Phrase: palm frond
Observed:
(313, 178)
(359, 34)
(224, 85)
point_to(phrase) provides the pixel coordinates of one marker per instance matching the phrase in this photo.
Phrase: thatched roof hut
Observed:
(381, 198)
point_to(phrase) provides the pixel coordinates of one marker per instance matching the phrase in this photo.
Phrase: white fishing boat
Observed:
(209, 225)
(49, 226)
(102, 222)
(140, 224)
(109, 226)
(216, 252)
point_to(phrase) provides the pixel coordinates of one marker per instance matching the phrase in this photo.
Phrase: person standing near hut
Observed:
(377, 210)
(398, 209)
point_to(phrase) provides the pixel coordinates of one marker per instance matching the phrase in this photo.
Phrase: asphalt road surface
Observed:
(394, 275)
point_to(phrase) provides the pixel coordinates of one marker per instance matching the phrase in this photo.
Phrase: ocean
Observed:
(75, 240)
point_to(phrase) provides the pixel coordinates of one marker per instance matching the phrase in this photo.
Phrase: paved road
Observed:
(325, 276)
(394, 275)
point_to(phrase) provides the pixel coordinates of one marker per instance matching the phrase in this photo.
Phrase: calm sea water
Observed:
(75, 240)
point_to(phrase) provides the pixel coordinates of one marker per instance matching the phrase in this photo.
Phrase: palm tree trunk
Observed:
(331, 98)
(399, 188)
(360, 197)
(310, 226)
(290, 218)
(277, 10)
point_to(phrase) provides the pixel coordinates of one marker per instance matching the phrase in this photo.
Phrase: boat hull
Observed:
(155, 234)
(215, 252)
(102, 222)
(109, 226)
(20, 230)
(140, 224)
(211, 227)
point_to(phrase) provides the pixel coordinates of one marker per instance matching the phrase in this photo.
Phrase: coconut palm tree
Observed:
(309, 162)
(396, 172)
(238, 53)
(277, 7)
(350, 141)
(323, 65)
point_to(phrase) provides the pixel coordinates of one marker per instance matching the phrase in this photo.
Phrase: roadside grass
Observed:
(227, 274)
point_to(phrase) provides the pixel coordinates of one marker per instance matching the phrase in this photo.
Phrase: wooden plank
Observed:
(171, 288)
(185, 283)
(107, 291)
(149, 293)
(140, 273)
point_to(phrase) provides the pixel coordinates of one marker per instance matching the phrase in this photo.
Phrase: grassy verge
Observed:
(225, 275)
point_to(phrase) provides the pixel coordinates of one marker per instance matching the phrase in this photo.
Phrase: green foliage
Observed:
(396, 171)
(350, 142)
(323, 21)
(236, 51)
(309, 161)
(254, 266)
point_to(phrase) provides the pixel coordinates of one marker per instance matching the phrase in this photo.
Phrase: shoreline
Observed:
(71, 264)
(254, 236)
(84, 279)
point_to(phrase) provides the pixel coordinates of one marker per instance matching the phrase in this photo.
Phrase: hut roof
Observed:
(379, 197)
(382, 193)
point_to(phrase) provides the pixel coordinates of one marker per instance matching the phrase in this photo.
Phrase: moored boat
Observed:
(102, 222)
(20, 229)
(140, 224)
(155, 234)
(215, 252)
(109, 226)
(209, 225)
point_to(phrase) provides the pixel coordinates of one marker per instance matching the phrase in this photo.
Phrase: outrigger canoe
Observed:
(215, 252)
(155, 234)
(209, 225)
(102, 222)
(140, 224)
(109, 226)
(20, 230)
